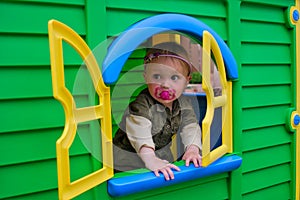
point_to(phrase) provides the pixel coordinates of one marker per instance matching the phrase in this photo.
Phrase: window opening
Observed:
(112, 65)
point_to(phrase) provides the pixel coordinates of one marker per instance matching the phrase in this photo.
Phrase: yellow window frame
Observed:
(224, 101)
(73, 116)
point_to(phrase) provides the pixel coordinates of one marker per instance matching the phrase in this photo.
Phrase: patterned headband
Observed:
(152, 56)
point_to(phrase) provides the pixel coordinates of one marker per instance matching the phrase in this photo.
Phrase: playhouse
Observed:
(68, 70)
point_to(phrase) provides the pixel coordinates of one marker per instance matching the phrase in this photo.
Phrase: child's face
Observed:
(166, 79)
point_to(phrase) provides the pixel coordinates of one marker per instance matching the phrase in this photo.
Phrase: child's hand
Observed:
(164, 167)
(192, 155)
(156, 164)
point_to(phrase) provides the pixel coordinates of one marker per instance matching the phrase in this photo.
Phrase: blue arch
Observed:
(128, 41)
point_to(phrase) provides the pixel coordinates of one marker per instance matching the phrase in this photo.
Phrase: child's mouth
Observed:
(164, 94)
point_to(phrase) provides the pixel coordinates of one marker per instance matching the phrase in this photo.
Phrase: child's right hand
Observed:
(156, 164)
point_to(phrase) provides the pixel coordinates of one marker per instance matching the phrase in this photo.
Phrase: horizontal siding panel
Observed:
(254, 75)
(63, 2)
(138, 53)
(26, 82)
(39, 145)
(179, 191)
(114, 24)
(26, 20)
(266, 95)
(263, 53)
(260, 179)
(85, 100)
(281, 191)
(265, 137)
(81, 165)
(261, 158)
(126, 91)
(31, 50)
(35, 82)
(129, 17)
(219, 25)
(204, 190)
(88, 139)
(53, 194)
(264, 10)
(38, 176)
(121, 101)
(119, 105)
(189, 7)
(263, 117)
(47, 194)
(130, 78)
(24, 50)
(27, 178)
(136, 65)
(268, 32)
(31, 114)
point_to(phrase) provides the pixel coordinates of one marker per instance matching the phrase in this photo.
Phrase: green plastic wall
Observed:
(31, 120)
(264, 48)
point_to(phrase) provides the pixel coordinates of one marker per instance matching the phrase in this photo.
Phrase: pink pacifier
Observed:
(164, 94)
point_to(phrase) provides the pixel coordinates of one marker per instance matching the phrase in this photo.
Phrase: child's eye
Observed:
(174, 77)
(156, 76)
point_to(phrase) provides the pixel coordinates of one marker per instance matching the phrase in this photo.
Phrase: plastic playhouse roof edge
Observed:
(129, 40)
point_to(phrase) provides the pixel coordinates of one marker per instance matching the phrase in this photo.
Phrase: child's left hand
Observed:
(192, 155)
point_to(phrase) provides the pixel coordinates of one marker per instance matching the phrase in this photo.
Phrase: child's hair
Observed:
(168, 49)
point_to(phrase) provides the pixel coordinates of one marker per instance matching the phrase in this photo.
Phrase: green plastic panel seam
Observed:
(234, 43)
(96, 23)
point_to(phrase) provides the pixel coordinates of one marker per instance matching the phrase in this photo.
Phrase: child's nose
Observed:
(165, 84)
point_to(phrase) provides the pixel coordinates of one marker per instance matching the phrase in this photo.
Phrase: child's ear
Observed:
(188, 78)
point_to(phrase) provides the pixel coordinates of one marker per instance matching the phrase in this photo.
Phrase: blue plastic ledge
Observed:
(147, 181)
